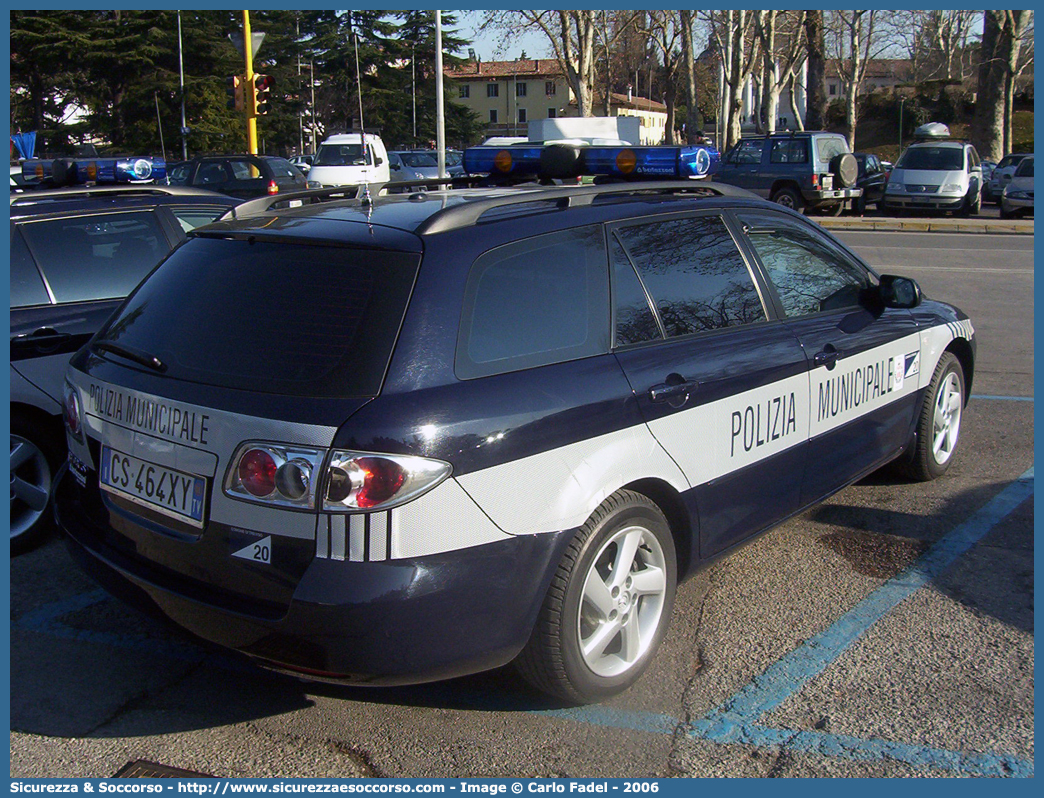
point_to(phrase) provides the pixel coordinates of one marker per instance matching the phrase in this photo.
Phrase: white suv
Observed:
(937, 175)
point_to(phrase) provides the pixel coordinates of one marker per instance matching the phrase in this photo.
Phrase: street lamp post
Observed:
(901, 101)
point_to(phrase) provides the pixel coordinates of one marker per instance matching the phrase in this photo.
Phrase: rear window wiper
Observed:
(144, 358)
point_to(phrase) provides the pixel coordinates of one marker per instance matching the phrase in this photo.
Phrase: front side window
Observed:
(96, 257)
(693, 270)
(748, 151)
(535, 302)
(179, 175)
(809, 274)
(1025, 168)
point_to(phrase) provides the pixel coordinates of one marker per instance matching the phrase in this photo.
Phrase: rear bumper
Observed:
(832, 197)
(391, 622)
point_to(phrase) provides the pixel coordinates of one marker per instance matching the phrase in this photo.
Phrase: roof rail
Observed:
(467, 214)
(349, 191)
(40, 194)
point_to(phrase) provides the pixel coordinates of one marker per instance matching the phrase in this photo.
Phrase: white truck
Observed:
(346, 160)
(592, 129)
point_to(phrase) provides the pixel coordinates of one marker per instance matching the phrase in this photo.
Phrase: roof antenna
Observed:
(362, 125)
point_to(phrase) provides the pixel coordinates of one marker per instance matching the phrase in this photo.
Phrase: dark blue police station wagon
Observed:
(403, 438)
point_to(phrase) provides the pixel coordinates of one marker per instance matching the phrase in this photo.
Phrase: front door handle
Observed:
(675, 390)
(828, 357)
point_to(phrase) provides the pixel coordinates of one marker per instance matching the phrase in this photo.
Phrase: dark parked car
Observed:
(812, 170)
(75, 254)
(873, 178)
(402, 438)
(243, 176)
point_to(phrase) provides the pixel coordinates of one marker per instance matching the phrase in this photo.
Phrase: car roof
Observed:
(94, 198)
(941, 143)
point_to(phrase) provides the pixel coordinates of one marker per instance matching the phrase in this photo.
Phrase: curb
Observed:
(1000, 226)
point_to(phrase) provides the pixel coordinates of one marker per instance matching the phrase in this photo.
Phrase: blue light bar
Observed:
(678, 162)
(503, 161)
(80, 171)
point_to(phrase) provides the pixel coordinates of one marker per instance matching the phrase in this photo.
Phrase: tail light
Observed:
(276, 474)
(272, 187)
(364, 481)
(292, 476)
(815, 180)
(71, 411)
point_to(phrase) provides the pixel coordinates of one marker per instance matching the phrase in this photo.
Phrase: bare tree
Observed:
(1023, 43)
(664, 31)
(572, 36)
(815, 82)
(781, 35)
(693, 118)
(732, 32)
(856, 40)
(937, 43)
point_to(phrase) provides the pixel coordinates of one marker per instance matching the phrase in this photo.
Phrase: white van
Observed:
(343, 160)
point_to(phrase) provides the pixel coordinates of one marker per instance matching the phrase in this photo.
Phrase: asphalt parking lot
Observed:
(887, 632)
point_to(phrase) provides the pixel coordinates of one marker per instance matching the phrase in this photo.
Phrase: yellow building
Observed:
(507, 94)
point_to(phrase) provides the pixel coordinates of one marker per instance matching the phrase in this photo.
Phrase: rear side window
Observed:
(191, 218)
(535, 302)
(828, 147)
(27, 286)
(281, 318)
(244, 170)
(96, 257)
(283, 168)
(789, 151)
(694, 273)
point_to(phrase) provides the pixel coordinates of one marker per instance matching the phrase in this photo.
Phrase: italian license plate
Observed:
(165, 490)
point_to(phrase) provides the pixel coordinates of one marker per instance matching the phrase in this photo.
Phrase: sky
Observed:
(488, 48)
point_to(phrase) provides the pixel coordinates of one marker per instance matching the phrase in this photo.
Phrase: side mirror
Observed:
(378, 161)
(899, 292)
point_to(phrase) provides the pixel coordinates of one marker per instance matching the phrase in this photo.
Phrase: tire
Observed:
(789, 198)
(603, 619)
(36, 452)
(845, 168)
(939, 426)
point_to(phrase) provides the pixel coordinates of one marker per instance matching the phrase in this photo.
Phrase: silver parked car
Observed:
(1017, 198)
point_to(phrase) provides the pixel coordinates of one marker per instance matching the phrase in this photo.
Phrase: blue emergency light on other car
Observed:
(513, 161)
(666, 162)
(80, 171)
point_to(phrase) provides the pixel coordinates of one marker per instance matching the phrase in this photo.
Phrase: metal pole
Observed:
(181, 71)
(311, 79)
(413, 80)
(300, 116)
(440, 113)
(901, 101)
(248, 50)
(159, 124)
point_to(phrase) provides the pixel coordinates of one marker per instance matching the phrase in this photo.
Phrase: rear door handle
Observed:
(667, 391)
(828, 357)
(42, 338)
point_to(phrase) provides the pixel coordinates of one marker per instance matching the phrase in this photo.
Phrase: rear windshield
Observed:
(340, 155)
(945, 159)
(281, 318)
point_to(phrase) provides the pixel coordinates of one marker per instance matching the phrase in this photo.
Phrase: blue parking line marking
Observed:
(1001, 398)
(735, 721)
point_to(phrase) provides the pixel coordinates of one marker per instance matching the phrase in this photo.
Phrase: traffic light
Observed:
(236, 87)
(262, 90)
